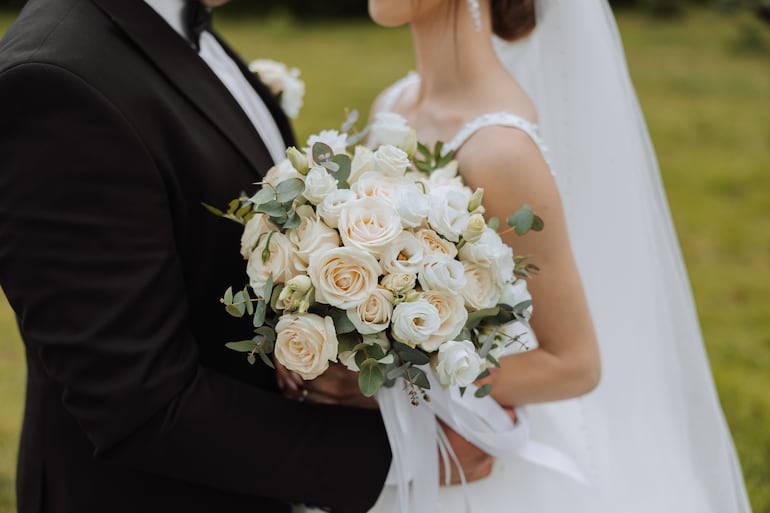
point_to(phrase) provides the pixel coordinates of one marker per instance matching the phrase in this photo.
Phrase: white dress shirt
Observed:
(230, 75)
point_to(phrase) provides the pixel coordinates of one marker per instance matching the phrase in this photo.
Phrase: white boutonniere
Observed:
(283, 82)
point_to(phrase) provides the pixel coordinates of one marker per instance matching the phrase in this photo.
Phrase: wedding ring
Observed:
(302, 395)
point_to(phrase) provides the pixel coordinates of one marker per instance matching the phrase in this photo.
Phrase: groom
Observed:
(118, 119)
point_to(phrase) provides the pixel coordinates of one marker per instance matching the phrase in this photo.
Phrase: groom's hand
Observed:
(476, 464)
(337, 385)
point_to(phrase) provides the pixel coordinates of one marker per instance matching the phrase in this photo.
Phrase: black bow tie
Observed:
(197, 18)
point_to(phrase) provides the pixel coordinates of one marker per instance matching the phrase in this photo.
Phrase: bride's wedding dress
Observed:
(652, 436)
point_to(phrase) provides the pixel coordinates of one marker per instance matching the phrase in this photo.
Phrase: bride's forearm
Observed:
(539, 376)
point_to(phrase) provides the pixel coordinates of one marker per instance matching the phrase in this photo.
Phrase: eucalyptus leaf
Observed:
(264, 195)
(483, 390)
(347, 341)
(538, 224)
(233, 206)
(522, 219)
(475, 318)
(522, 307)
(408, 354)
(343, 170)
(330, 166)
(418, 377)
(251, 359)
(267, 335)
(259, 313)
(236, 310)
(493, 224)
(292, 220)
(242, 346)
(342, 323)
(397, 372)
(289, 189)
(272, 208)
(266, 359)
(228, 296)
(370, 377)
(244, 210)
(322, 152)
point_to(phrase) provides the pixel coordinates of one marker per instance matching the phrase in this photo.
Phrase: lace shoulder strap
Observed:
(393, 93)
(505, 119)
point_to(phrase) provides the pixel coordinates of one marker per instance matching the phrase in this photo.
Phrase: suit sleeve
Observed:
(89, 263)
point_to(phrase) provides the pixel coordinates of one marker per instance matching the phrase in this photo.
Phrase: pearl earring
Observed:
(475, 8)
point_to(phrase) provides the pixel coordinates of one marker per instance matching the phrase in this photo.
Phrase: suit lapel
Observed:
(189, 73)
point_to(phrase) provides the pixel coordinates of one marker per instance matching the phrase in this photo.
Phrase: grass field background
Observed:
(704, 85)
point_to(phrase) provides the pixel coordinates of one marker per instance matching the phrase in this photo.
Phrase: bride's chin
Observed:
(388, 13)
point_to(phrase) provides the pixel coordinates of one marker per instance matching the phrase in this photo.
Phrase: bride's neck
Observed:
(453, 59)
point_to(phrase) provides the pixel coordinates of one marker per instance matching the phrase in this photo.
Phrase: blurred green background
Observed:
(703, 77)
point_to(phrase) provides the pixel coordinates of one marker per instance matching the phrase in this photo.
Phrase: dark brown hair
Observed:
(512, 19)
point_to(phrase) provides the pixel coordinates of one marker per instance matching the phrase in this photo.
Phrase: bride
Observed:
(651, 437)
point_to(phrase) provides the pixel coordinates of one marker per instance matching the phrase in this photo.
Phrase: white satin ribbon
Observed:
(413, 436)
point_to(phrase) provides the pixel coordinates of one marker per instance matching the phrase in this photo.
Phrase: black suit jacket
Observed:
(113, 132)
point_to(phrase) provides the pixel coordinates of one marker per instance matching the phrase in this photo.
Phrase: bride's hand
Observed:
(338, 386)
(476, 464)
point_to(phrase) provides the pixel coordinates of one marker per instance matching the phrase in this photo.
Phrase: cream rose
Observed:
(375, 185)
(457, 363)
(256, 227)
(443, 273)
(312, 235)
(482, 290)
(373, 315)
(452, 315)
(414, 322)
(306, 343)
(403, 255)
(369, 224)
(391, 161)
(399, 282)
(343, 277)
(318, 184)
(434, 245)
(282, 262)
(363, 162)
(281, 172)
(448, 211)
(330, 208)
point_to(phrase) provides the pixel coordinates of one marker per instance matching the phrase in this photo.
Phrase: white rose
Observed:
(474, 228)
(373, 315)
(312, 235)
(318, 184)
(363, 162)
(482, 289)
(434, 245)
(399, 282)
(403, 255)
(283, 82)
(369, 224)
(391, 161)
(375, 185)
(282, 172)
(414, 322)
(332, 138)
(256, 227)
(515, 293)
(282, 262)
(443, 273)
(390, 128)
(491, 251)
(330, 208)
(412, 205)
(444, 176)
(306, 343)
(448, 211)
(452, 314)
(457, 363)
(343, 277)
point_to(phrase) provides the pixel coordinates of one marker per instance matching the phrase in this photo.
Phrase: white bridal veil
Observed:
(652, 436)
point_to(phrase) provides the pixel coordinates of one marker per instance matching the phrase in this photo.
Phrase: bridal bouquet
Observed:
(380, 259)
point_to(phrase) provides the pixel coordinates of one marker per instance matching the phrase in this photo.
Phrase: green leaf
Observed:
(228, 296)
(371, 377)
(418, 377)
(242, 346)
(265, 195)
(330, 166)
(475, 318)
(399, 371)
(236, 310)
(292, 220)
(538, 224)
(491, 359)
(266, 337)
(239, 299)
(484, 374)
(424, 150)
(251, 359)
(233, 206)
(268, 291)
(249, 304)
(347, 341)
(266, 359)
(259, 313)
(213, 210)
(342, 323)
(493, 224)
(374, 351)
(408, 354)
(522, 219)
(289, 189)
(322, 152)
(522, 307)
(244, 210)
(483, 390)
(343, 170)
(272, 208)
(274, 299)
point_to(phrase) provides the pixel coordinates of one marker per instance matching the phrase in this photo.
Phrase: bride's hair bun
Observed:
(513, 19)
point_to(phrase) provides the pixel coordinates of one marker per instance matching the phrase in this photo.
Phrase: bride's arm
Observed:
(512, 171)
